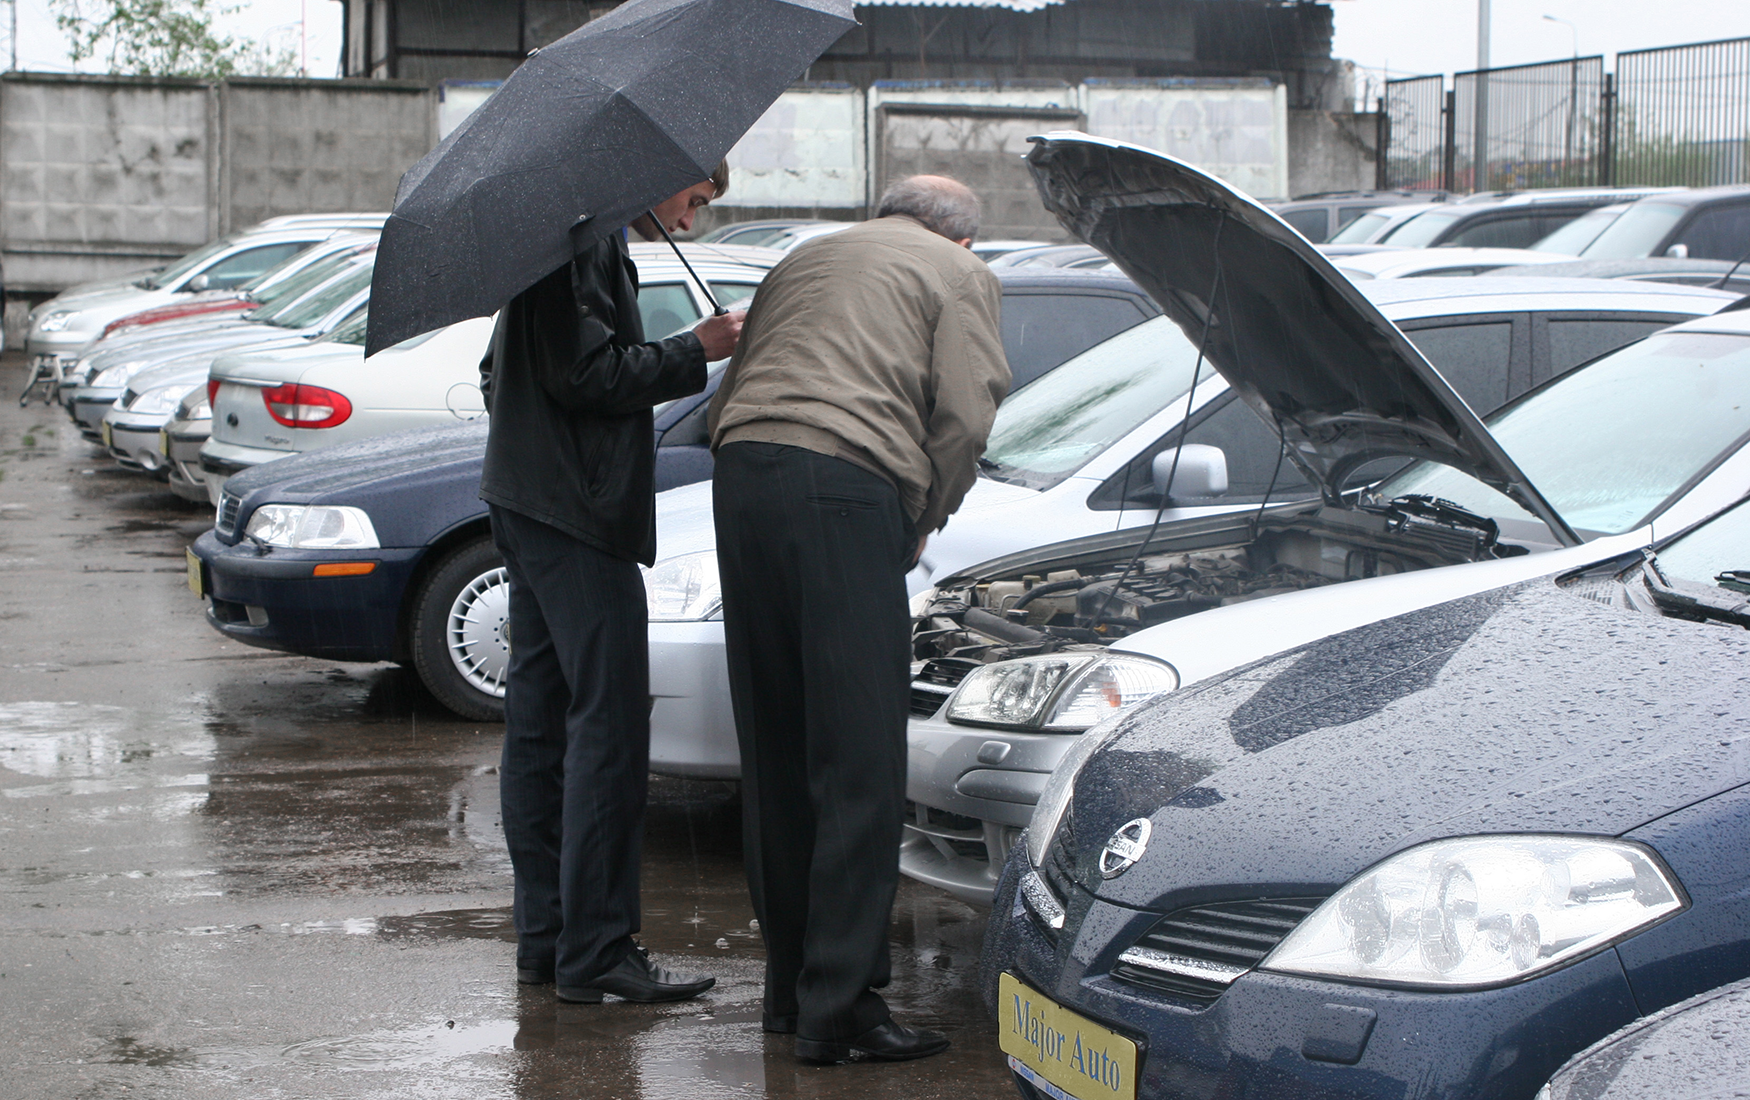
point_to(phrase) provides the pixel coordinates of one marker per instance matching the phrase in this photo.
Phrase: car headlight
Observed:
(1058, 692)
(1054, 799)
(117, 375)
(1480, 911)
(194, 405)
(57, 320)
(312, 527)
(684, 588)
(159, 401)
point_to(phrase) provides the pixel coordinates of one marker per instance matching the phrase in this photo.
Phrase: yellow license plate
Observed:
(1077, 1056)
(108, 434)
(196, 579)
(163, 442)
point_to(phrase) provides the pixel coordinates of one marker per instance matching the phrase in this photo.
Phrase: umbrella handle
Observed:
(717, 309)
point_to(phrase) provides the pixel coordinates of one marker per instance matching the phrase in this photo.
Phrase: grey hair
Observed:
(944, 206)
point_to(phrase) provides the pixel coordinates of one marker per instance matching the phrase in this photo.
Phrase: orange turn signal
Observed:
(345, 568)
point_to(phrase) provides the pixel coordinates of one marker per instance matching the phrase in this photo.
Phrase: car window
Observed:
(352, 329)
(1573, 341)
(667, 308)
(1722, 233)
(1049, 429)
(1517, 230)
(1473, 358)
(240, 267)
(1420, 230)
(1720, 545)
(1347, 214)
(1636, 233)
(1609, 445)
(733, 295)
(1313, 224)
(1359, 230)
(189, 264)
(321, 302)
(1572, 238)
(291, 289)
(1248, 441)
(1041, 331)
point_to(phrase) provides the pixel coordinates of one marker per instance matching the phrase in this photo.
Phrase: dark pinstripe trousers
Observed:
(576, 747)
(812, 552)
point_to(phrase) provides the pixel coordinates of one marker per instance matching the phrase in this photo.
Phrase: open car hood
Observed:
(1290, 333)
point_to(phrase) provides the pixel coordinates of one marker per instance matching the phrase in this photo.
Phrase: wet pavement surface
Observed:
(229, 872)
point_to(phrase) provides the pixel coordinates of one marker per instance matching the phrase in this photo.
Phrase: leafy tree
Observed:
(163, 38)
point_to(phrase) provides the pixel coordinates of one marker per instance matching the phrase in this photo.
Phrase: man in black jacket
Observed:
(569, 383)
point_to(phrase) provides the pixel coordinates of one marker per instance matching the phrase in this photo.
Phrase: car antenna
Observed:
(1185, 429)
(717, 309)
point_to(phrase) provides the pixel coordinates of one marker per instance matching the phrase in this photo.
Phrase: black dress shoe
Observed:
(778, 1024)
(535, 975)
(636, 978)
(891, 1042)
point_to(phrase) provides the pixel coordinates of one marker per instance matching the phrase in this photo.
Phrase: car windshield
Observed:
(1610, 444)
(186, 266)
(1572, 239)
(1719, 546)
(1052, 427)
(293, 287)
(306, 311)
(1361, 229)
(351, 330)
(1420, 231)
(1636, 233)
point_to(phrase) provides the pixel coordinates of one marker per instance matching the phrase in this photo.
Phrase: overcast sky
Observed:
(1408, 36)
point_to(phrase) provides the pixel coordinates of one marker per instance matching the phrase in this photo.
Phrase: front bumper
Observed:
(1279, 1035)
(134, 441)
(970, 792)
(87, 406)
(182, 450)
(692, 727)
(272, 599)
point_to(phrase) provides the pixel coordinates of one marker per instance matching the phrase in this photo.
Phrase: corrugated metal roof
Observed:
(1012, 5)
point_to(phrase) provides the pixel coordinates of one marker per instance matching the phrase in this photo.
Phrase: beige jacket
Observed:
(880, 344)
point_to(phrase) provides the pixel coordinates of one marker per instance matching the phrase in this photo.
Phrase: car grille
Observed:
(1197, 953)
(226, 521)
(935, 682)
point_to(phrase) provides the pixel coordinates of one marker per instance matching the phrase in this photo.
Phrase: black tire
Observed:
(468, 581)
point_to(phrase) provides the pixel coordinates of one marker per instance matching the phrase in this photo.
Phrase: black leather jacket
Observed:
(569, 385)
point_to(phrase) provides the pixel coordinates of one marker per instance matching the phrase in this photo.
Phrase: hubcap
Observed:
(479, 639)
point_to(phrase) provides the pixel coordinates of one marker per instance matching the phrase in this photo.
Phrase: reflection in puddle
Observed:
(408, 1048)
(86, 741)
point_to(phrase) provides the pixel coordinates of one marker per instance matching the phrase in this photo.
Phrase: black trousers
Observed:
(576, 747)
(812, 552)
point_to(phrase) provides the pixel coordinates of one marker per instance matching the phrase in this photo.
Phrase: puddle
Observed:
(411, 1048)
(124, 1051)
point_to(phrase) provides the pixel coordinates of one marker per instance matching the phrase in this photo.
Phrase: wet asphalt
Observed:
(227, 872)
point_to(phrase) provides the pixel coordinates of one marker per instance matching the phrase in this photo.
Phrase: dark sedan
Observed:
(1694, 1050)
(1431, 857)
(379, 550)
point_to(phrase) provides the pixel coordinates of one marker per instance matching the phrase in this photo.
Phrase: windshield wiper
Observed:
(1703, 608)
(991, 469)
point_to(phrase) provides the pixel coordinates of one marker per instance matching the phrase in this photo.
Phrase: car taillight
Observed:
(212, 392)
(299, 406)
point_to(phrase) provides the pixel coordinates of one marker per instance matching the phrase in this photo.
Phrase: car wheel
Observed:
(461, 647)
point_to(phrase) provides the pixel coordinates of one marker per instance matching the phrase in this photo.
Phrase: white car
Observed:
(1413, 263)
(271, 404)
(61, 327)
(1050, 477)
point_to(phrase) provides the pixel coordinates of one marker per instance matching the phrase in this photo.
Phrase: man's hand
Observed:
(720, 334)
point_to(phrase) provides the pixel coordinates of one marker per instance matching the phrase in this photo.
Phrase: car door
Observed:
(1719, 232)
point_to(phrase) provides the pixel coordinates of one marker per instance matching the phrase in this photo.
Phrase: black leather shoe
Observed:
(778, 1025)
(891, 1042)
(636, 978)
(535, 975)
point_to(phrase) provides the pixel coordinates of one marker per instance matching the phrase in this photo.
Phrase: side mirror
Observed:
(198, 283)
(1678, 251)
(1202, 471)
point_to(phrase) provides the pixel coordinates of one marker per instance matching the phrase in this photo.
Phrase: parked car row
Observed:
(1328, 681)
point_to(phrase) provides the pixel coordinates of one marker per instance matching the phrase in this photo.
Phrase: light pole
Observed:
(1480, 104)
(1573, 94)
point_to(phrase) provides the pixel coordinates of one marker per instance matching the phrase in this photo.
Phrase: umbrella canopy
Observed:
(588, 134)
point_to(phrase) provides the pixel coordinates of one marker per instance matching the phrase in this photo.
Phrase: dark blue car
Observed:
(379, 550)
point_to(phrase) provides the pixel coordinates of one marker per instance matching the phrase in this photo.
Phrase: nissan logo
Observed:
(1125, 848)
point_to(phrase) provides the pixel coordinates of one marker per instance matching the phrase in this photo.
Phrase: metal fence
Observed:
(1676, 115)
(1683, 114)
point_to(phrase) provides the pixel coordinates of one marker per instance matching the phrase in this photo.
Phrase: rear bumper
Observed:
(273, 599)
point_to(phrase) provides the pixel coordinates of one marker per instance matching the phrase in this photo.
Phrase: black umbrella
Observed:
(588, 134)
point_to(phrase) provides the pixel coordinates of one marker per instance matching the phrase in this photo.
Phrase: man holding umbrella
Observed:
(569, 482)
